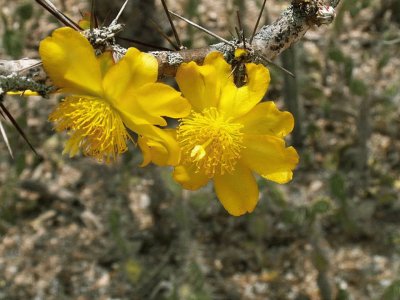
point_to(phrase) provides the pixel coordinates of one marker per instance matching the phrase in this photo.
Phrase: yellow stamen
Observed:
(198, 152)
(94, 127)
(210, 141)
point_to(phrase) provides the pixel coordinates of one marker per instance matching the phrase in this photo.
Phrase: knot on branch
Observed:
(325, 15)
(103, 38)
(316, 11)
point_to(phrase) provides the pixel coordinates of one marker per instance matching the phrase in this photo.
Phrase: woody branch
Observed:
(269, 41)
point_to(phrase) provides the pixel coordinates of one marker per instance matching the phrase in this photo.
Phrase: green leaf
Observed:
(321, 206)
(298, 216)
(336, 55)
(337, 187)
(12, 42)
(392, 292)
(384, 60)
(24, 11)
(343, 295)
(358, 87)
(348, 69)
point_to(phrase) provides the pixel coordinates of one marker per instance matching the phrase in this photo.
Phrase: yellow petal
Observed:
(189, 177)
(160, 136)
(151, 102)
(69, 60)
(199, 84)
(235, 101)
(223, 69)
(106, 61)
(153, 152)
(280, 177)
(267, 155)
(237, 192)
(266, 118)
(134, 70)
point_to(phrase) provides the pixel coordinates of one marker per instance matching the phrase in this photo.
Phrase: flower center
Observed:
(94, 126)
(210, 141)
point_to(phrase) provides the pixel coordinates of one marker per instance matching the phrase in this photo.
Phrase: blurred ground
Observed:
(74, 229)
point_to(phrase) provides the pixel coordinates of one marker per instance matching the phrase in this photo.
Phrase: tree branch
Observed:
(268, 43)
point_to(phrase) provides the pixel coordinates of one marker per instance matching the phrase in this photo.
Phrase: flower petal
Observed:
(237, 192)
(189, 177)
(160, 136)
(69, 60)
(154, 151)
(266, 118)
(280, 177)
(267, 155)
(134, 70)
(223, 69)
(151, 102)
(199, 84)
(235, 101)
(106, 61)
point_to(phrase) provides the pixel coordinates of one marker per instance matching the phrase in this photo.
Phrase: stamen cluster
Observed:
(210, 141)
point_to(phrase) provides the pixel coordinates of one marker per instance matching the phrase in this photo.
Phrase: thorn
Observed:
(144, 44)
(178, 41)
(4, 134)
(21, 132)
(203, 29)
(114, 22)
(92, 15)
(275, 65)
(241, 30)
(258, 22)
(30, 67)
(239, 21)
(159, 30)
(237, 32)
(47, 5)
(96, 20)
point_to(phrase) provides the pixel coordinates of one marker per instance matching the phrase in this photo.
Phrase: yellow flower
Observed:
(230, 135)
(105, 98)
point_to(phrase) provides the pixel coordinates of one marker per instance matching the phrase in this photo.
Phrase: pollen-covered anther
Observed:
(211, 141)
(94, 126)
